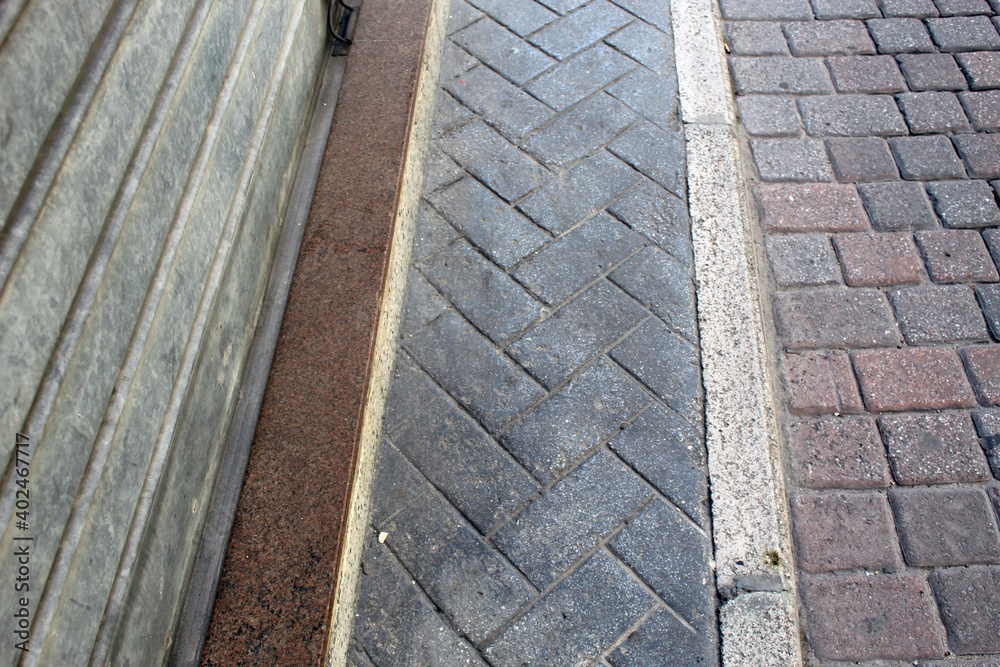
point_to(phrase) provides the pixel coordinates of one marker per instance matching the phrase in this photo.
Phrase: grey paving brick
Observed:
(651, 11)
(455, 60)
(439, 170)
(962, 7)
(644, 43)
(576, 621)
(983, 108)
(551, 534)
(522, 16)
(751, 38)
(812, 207)
(795, 160)
(965, 204)
(580, 28)
(669, 453)
(769, 116)
(780, 75)
(900, 35)
(919, 9)
(356, 657)
(652, 95)
(933, 113)
(933, 449)
(579, 131)
(585, 412)
(432, 233)
(493, 160)
(485, 382)
(851, 116)
(449, 114)
(989, 299)
(828, 38)
(931, 71)
(564, 6)
(866, 74)
(843, 531)
(751, 10)
(667, 364)
(663, 635)
(967, 601)
(955, 255)
(662, 284)
(502, 50)
(422, 305)
(897, 206)
(965, 33)
(861, 159)
(655, 153)
(992, 238)
(501, 233)
(583, 191)
(397, 625)
(580, 76)
(397, 483)
(557, 271)
(671, 556)
(982, 68)
(465, 577)
(576, 333)
(507, 108)
(846, 9)
(802, 260)
(926, 158)
(936, 314)
(834, 319)
(487, 296)
(462, 461)
(462, 14)
(659, 216)
(945, 526)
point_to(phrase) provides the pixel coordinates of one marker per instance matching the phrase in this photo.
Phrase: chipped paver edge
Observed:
(758, 619)
(386, 337)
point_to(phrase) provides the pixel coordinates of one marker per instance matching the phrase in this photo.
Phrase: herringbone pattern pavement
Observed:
(541, 491)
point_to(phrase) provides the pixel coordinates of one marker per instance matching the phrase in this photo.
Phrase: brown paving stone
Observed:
(925, 378)
(857, 617)
(844, 453)
(983, 364)
(956, 256)
(873, 260)
(843, 531)
(810, 208)
(821, 383)
(934, 448)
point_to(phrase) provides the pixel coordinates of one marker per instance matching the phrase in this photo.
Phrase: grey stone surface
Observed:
(423, 304)
(972, 33)
(908, 8)
(664, 635)
(433, 233)
(579, 76)
(577, 620)
(897, 206)
(586, 189)
(989, 300)
(488, 297)
(965, 203)
(503, 51)
(834, 319)
(440, 171)
(750, 10)
(658, 215)
(462, 14)
(485, 382)
(931, 71)
(599, 400)
(493, 160)
(662, 284)
(926, 158)
(751, 38)
(846, 9)
(580, 131)
(522, 16)
(851, 116)
(576, 333)
(802, 260)
(504, 106)
(669, 553)
(945, 526)
(646, 44)
(456, 60)
(828, 38)
(966, 598)
(655, 153)
(900, 35)
(651, 11)
(769, 116)
(559, 270)
(501, 233)
(935, 314)
(780, 75)
(983, 108)
(861, 159)
(667, 364)
(933, 113)
(397, 483)
(563, 6)
(572, 517)
(445, 444)
(579, 29)
(795, 160)
(650, 94)
(866, 74)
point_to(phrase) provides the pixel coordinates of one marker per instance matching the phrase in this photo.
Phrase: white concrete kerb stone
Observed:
(754, 571)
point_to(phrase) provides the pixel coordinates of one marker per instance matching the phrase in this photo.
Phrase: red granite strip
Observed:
(277, 583)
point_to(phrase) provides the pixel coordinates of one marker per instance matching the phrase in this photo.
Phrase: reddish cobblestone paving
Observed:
(869, 124)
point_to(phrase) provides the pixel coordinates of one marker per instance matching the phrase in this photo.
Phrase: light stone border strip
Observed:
(386, 338)
(755, 576)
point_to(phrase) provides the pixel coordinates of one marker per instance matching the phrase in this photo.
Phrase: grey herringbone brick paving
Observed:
(541, 490)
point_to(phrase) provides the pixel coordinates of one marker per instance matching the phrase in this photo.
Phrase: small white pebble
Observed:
(381, 537)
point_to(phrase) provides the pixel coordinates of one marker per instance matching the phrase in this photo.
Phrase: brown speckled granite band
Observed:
(275, 593)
